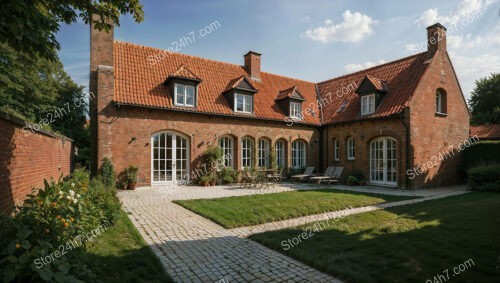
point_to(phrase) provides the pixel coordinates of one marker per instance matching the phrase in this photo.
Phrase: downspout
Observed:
(321, 142)
(406, 124)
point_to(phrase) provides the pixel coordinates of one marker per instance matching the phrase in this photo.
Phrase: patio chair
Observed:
(336, 175)
(307, 173)
(277, 177)
(323, 177)
(247, 179)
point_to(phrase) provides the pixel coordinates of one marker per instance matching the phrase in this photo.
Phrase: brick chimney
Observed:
(101, 89)
(436, 39)
(252, 65)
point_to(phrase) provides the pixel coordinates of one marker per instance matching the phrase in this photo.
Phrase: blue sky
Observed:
(309, 40)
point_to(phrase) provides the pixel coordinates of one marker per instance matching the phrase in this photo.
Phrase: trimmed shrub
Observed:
(228, 175)
(481, 153)
(485, 178)
(42, 238)
(108, 173)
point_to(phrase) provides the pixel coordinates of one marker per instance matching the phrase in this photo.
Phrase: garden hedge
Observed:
(485, 178)
(481, 153)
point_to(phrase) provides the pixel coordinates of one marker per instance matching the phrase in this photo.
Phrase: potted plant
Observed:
(205, 180)
(131, 173)
(212, 179)
(352, 181)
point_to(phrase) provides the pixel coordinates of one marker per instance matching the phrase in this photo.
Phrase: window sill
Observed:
(184, 106)
(351, 159)
(441, 114)
(243, 113)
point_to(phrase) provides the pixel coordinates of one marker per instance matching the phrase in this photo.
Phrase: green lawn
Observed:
(410, 243)
(241, 211)
(121, 255)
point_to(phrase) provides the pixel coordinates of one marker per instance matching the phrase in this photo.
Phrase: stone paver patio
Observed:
(194, 249)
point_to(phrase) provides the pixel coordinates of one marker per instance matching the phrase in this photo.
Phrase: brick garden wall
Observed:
(27, 158)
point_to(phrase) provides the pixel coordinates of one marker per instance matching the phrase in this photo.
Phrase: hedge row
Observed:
(485, 178)
(481, 153)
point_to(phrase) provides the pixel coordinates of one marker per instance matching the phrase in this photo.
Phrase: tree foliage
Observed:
(485, 100)
(31, 25)
(40, 91)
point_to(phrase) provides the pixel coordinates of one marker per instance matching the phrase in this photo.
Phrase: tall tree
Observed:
(31, 25)
(485, 100)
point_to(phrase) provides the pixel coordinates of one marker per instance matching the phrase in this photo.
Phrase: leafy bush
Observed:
(131, 173)
(228, 175)
(481, 153)
(108, 173)
(485, 178)
(293, 171)
(52, 218)
(356, 177)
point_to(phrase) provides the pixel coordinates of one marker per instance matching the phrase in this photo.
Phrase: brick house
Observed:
(160, 111)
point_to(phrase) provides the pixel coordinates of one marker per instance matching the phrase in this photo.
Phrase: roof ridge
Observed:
(374, 67)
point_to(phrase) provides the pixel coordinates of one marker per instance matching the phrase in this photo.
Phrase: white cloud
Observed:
(356, 67)
(464, 13)
(353, 28)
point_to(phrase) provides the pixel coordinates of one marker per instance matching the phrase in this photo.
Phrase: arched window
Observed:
(280, 153)
(350, 148)
(226, 145)
(246, 152)
(298, 154)
(440, 101)
(336, 155)
(263, 154)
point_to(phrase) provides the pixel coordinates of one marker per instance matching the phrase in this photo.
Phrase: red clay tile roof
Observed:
(288, 93)
(139, 81)
(184, 73)
(400, 77)
(486, 132)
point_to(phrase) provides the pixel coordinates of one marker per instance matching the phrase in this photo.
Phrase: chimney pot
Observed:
(252, 65)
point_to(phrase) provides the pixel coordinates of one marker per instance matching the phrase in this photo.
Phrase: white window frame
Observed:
(246, 153)
(185, 104)
(226, 145)
(263, 153)
(295, 110)
(350, 149)
(368, 102)
(439, 102)
(336, 150)
(280, 153)
(299, 154)
(247, 101)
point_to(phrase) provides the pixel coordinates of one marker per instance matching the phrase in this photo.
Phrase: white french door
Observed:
(383, 161)
(169, 158)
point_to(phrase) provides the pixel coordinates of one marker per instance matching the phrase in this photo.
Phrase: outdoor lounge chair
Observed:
(336, 175)
(307, 173)
(323, 177)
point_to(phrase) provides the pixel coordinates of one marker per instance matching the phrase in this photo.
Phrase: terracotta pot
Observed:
(205, 184)
(212, 183)
(131, 186)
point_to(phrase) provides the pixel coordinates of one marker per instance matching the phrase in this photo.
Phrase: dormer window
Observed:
(239, 95)
(295, 110)
(371, 91)
(183, 85)
(184, 95)
(243, 103)
(290, 101)
(367, 104)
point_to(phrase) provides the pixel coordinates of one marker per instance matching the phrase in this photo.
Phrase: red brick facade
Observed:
(406, 106)
(27, 158)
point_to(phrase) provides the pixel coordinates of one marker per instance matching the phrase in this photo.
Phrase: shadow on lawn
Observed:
(404, 244)
(133, 265)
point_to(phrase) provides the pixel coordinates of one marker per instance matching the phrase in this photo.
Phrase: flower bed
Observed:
(42, 240)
